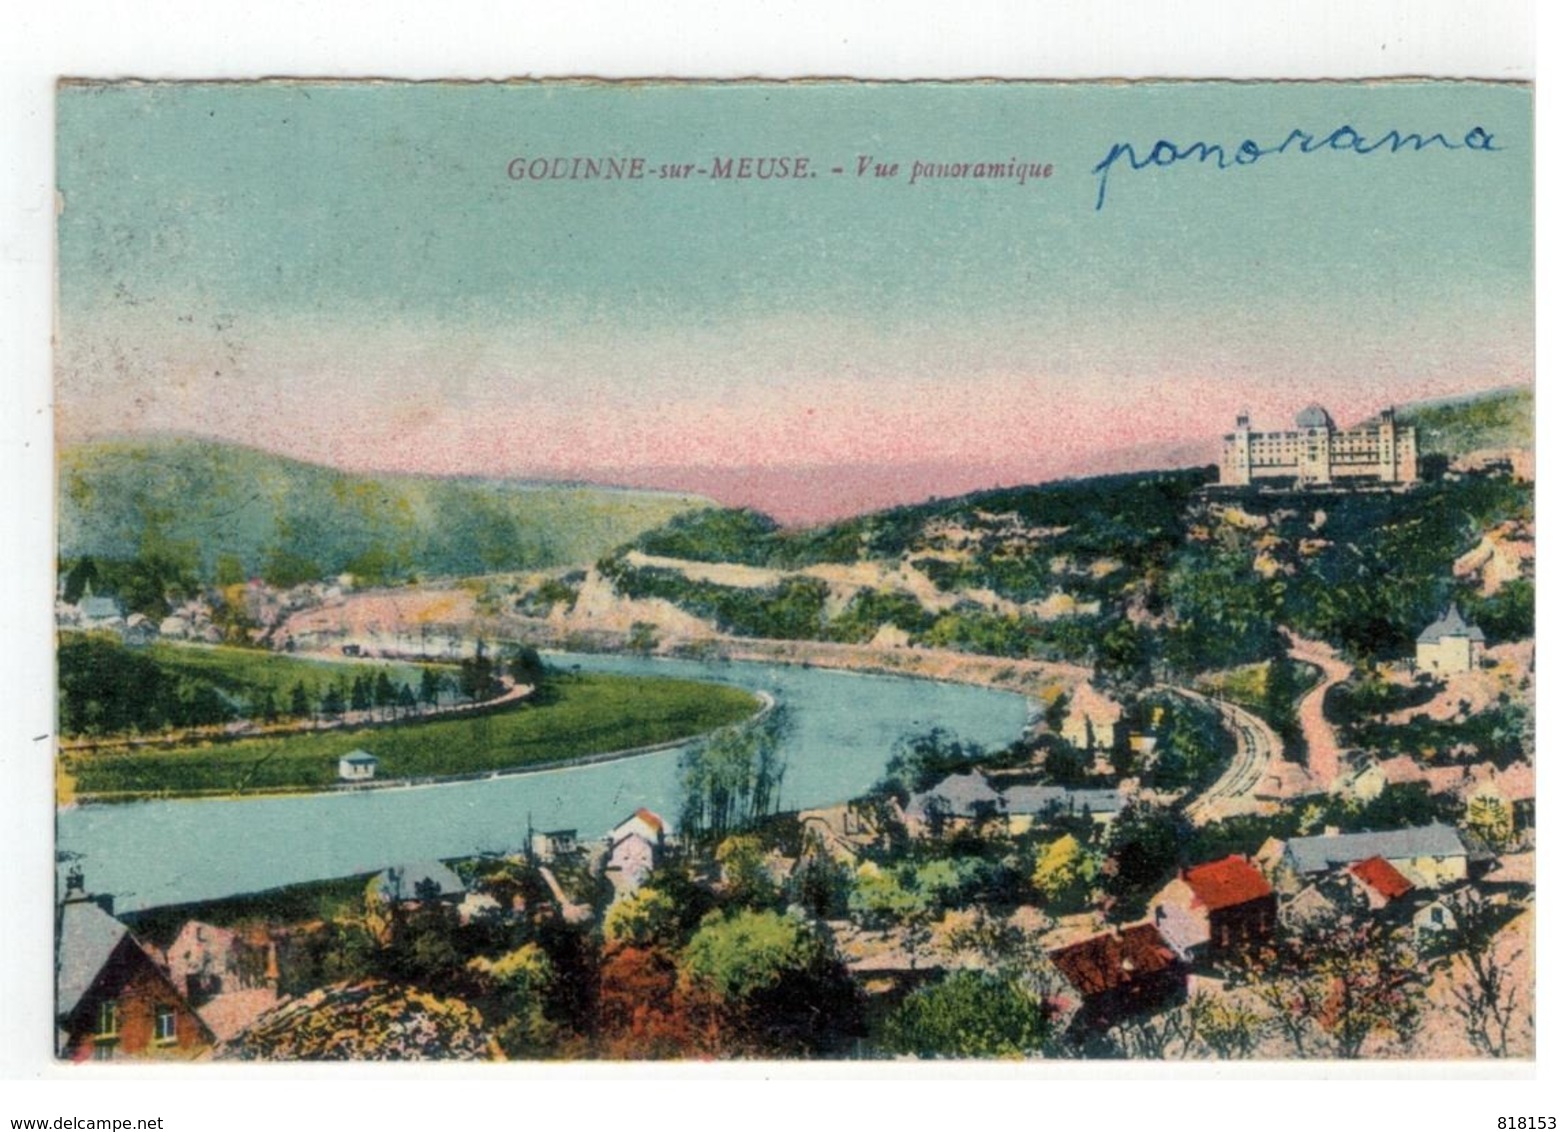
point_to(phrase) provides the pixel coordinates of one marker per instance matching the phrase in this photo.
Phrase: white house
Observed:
(1449, 645)
(631, 860)
(357, 766)
(643, 822)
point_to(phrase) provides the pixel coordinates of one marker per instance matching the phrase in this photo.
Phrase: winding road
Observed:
(1323, 754)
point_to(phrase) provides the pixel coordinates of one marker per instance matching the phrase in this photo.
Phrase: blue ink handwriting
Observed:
(1344, 139)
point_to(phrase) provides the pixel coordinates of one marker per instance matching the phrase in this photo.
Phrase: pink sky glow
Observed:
(801, 433)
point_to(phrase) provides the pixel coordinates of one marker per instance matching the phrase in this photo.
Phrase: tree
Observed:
(1230, 1029)
(1144, 843)
(429, 687)
(880, 900)
(763, 983)
(1008, 950)
(476, 675)
(1063, 874)
(1167, 1036)
(1124, 656)
(731, 779)
(526, 666)
(639, 1016)
(643, 639)
(820, 883)
(332, 704)
(1333, 988)
(920, 761)
(385, 692)
(968, 1014)
(1490, 816)
(299, 701)
(79, 578)
(746, 880)
(648, 918)
(518, 984)
(1484, 990)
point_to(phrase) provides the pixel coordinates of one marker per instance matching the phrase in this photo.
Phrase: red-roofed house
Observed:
(1380, 882)
(111, 998)
(1217, 907)
(1119, 974)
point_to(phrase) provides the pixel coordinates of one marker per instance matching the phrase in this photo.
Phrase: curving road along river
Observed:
(845, 725)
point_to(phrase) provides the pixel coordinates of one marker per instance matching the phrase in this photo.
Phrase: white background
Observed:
(169, 39)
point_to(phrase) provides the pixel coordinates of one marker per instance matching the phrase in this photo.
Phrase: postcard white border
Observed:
(181, 38)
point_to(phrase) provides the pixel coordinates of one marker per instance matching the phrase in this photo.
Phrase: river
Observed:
(845, 725)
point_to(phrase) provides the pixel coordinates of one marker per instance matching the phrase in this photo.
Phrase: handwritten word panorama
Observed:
(1344, 139)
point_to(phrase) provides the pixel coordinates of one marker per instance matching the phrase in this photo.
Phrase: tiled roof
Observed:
(1450, 624)
(402, 882)
(1317, 854)
(87, 938)
(962, 795)
(1378, 874)
(1041, 799)
(1104, 962)
(1225, 883)
(650, 818)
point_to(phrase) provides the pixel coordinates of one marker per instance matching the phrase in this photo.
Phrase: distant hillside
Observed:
(224, 508)
(1459, 425)
(1132, 573)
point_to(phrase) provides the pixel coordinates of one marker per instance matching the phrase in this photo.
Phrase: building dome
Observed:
(1312, 416)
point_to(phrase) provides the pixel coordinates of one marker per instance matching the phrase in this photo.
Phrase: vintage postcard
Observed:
(822, 570)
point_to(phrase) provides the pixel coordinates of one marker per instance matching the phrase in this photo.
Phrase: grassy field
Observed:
(584, 715)
(244, 671)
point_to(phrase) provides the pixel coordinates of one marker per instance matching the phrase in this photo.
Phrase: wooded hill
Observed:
(215, 507)
(1143, 568)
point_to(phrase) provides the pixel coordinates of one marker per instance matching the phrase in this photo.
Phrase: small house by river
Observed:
(357, 766)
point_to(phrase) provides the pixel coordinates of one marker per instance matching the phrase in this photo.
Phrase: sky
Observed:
(346, 273)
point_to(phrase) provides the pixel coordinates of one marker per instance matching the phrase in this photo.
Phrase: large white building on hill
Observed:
(1316, 453)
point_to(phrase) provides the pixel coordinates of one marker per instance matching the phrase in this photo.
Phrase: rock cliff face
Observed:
(1505, 553)
(366, 1021)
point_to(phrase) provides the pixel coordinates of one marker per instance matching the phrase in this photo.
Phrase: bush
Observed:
(968, 1014)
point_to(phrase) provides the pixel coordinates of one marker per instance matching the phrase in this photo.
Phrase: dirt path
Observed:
(1034, 677)
(366, 720)
(1323, 752)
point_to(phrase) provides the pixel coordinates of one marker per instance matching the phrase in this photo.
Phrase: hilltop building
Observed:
(1316, 453)
(1449, 645)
